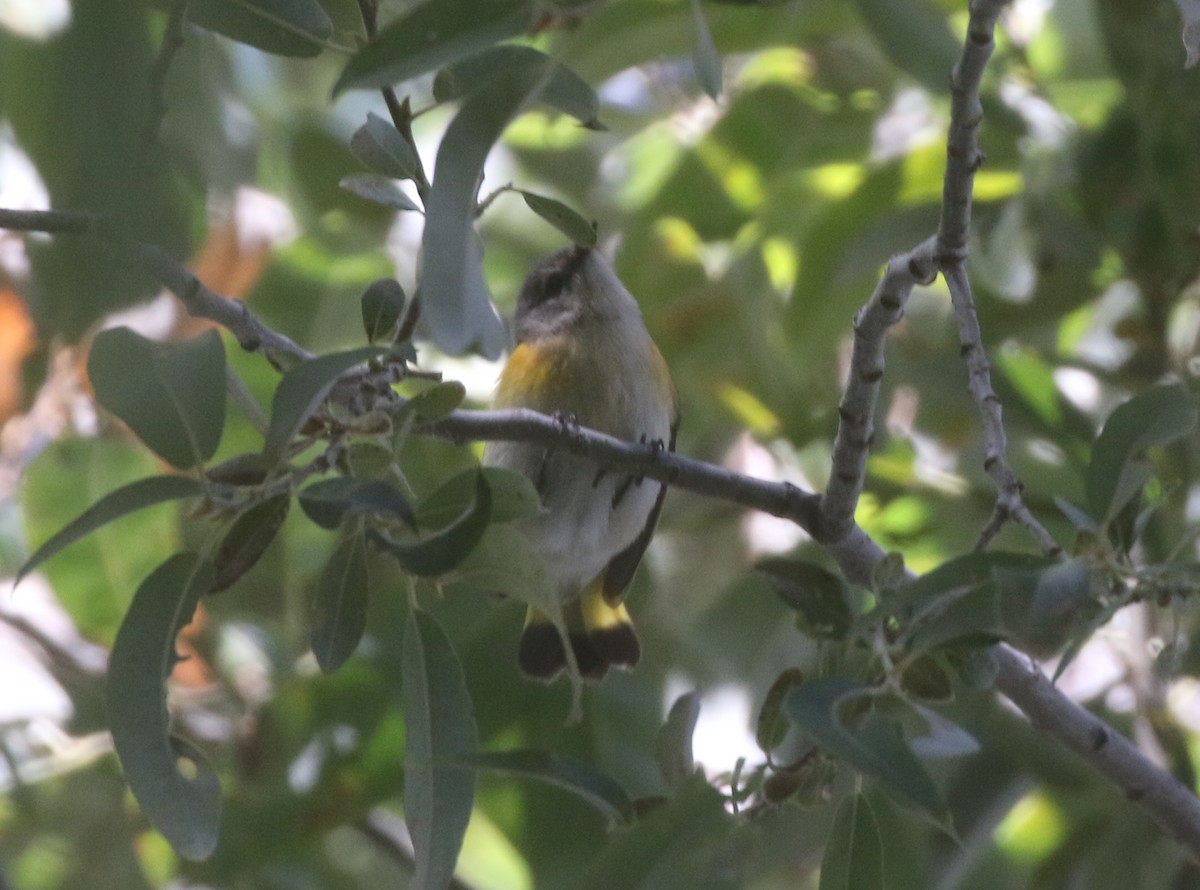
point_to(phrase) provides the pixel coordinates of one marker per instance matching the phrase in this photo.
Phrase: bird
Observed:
(583, 354)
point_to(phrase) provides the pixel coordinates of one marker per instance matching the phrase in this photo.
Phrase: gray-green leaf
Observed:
(562, 217)
(673, 744)
(439, 728)
(114, 505)
(186, 810)
(285, 27)
(853, 857)
(171, 394)
(441, 552)
(340, 613)
(379, 145)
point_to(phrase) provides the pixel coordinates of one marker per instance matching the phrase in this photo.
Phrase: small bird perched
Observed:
(583, 354)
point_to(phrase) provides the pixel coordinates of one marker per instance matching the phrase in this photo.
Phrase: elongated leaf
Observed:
(1158, 416)
(854, 855)
(771, 728)
(819, 596)
(673, 744)
(583, 780)
(284, 27)
(705, 57)
(439, 727)
(172, 395)
(331, 502)
(513, 497)
(441, 552)
(114, 505)
(564, 90)
(1190, 10)
(562, 218)
(301, 391)
(378, 188)
(876, 748)
(437, 401)
(380, 146)
(457, 305)
(433, 34)
(340, 613)
(248, 538)
(185, 810)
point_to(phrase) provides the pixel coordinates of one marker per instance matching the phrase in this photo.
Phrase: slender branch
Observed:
(856, 426)
(963, 159)
(201, 302)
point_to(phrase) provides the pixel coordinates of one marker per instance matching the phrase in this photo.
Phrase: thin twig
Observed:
(963, 159)
(856, 413)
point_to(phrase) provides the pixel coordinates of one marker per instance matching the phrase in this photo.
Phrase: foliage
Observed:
(759, 162)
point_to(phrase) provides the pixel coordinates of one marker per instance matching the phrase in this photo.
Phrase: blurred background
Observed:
(751, 229)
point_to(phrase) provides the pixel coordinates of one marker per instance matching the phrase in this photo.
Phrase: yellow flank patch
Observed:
(537, 375)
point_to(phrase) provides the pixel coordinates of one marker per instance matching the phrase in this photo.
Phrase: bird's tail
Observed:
(601, 636)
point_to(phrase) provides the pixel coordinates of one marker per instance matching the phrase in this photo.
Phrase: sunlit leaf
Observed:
(439, 727)
(248, 538)
(875, 748)
(340, 609)
(186, 810)
(114, 505)
(853, 857)
(441, 552)
(673, 744)
(586, 782)
(171, 394)
(433, 34)
(301, 392)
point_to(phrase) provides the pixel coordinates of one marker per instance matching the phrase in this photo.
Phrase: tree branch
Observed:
(963, 159)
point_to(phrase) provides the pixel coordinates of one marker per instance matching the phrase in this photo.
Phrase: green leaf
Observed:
(114, 505)
(331, 502)
(433, 34)
(438, 400)
(945, 738)
(439, 727)
(562, 217)
(441, 552)
(382, 305)
(818, 595)
(300, 393)
(186, 810)
(853, 857)
(284, 27)
(340, 613)
(564, 89)
(770, 729)
(1158, 416)
(596, 788)
(915, 36)
(705, 58)
(679, 845)
(380, 146)
(456, 303)
(673, 744)
(513, 497)
(248, 538)
(379, 189)
(1077, 517)
(172, 395)
(876, 748)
